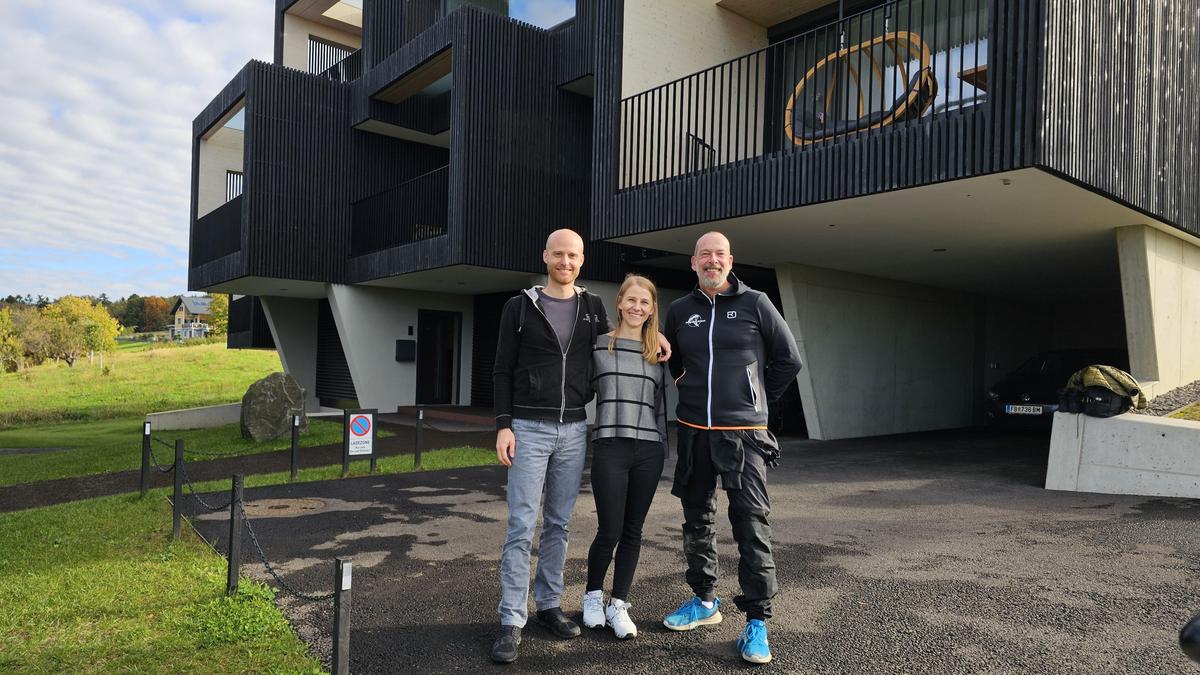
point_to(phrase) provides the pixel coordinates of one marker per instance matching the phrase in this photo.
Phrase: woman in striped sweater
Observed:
(629, 444)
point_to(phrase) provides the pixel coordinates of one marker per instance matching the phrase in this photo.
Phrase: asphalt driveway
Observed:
(921, 553)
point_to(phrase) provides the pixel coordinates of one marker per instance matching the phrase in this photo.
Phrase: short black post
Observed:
(341, 616)
(295, 445)
(177, 496)
(235, 534)
(145, 458)
(345, 443)
(374, 442)
(417, 449)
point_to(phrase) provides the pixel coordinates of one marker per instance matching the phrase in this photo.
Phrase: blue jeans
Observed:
(549, 459)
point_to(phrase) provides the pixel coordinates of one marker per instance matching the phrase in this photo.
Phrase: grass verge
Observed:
(115, 445)
(1191, 412)
(95, 587)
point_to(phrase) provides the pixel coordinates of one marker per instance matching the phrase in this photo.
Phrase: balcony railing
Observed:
(411, 211)
(904, 62)
(348, 69)
(217, 233)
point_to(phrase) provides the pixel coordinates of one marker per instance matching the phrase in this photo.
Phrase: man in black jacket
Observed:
(541, 384)
(734, 353)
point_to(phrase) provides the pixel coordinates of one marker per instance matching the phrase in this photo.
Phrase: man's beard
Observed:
(719, 281)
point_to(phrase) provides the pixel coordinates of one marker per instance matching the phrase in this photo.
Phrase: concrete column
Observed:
(1160, 288)
(880, 356)
(370, 320)
(293, 323)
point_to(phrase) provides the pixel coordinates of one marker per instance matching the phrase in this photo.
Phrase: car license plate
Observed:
(1023, 409)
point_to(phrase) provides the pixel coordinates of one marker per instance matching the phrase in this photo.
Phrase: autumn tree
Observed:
(218, 315)
(76, 325)
(156, 313)
(31, 325)
(11, 349)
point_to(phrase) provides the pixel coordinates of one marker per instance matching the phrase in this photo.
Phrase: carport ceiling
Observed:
(1024, 235)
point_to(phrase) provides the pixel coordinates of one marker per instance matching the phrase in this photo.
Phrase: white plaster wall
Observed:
(296, 31)
(293, 324)
(370, 320)
(667, 39)
(1160, 286)
(220, 152)
(880, 357)
(1127, 454)
(664, 40)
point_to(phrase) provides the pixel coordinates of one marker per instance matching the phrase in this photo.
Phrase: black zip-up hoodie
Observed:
(730, 356)
(534, 377)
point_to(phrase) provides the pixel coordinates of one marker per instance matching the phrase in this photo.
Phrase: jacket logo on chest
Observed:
(731, 314)
(695, 320)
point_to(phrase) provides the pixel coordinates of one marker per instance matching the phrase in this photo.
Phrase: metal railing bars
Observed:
(901, 63)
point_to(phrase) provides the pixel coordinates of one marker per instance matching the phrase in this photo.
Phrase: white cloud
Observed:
(95, 137)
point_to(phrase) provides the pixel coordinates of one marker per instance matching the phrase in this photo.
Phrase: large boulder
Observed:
(268, 406)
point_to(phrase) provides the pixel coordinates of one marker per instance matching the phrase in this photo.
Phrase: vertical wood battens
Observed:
(1120, 82)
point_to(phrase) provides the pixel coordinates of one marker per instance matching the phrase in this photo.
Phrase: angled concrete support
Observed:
(293, 323)
(1160, 288)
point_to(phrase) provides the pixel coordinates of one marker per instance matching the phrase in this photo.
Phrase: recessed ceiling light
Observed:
(1005, 181)
(939, 250)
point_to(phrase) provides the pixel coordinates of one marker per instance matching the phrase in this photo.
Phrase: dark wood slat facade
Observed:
(1119, 102)
(1100, 93)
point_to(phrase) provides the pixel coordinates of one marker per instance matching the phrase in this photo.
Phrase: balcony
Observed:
(412, 211)
(901, 65)
(348, 69)
(217, 233)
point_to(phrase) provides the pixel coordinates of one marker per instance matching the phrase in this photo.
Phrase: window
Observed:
(233, 185)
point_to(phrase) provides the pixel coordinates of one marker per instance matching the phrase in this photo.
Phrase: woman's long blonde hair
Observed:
(650, 327)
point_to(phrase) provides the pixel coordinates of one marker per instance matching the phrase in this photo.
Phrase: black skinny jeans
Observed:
(625, 476)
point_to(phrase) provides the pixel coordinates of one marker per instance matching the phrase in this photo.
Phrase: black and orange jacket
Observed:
(730, 356)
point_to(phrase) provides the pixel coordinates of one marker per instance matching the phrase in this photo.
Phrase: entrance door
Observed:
(437, 356)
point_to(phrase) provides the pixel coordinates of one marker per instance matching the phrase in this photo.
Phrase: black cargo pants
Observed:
(749, 508)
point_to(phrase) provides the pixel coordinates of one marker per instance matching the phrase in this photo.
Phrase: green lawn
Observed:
(116, 445)
(1191, 412)
(96, 587)
(140, 381)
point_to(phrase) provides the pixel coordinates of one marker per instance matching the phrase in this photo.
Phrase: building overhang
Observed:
(1023, 235)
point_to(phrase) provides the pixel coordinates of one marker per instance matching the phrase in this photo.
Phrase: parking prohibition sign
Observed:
(360, 442)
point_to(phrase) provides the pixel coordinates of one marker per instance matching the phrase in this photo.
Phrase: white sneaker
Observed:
(593, 609)
(618, 617)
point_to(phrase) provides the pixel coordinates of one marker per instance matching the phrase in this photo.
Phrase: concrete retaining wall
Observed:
(196, 418)
(1128, 454)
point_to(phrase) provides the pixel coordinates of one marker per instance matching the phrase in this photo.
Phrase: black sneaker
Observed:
(504, 649)
(557, 622)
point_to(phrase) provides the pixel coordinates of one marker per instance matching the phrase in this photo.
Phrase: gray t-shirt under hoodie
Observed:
(561, 312)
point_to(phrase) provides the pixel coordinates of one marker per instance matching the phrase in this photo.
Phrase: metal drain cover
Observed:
(282, 508)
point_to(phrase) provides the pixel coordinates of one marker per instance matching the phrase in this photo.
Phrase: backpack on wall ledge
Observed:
(1101, 391)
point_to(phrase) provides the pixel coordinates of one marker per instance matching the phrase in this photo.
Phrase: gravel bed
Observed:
(1179, 397)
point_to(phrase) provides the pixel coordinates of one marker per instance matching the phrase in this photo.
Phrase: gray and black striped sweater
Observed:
(630, 393)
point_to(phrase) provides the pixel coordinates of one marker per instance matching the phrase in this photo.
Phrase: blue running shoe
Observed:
(752, 643)
(692, 613)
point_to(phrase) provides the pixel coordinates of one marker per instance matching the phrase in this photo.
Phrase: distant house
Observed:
(191, 317)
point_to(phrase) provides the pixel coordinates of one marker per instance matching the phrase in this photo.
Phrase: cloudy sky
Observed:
(98, 99)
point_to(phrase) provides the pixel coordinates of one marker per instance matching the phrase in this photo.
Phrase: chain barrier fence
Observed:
(239, 522)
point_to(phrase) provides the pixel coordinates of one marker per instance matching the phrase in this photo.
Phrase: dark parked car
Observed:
(1029, 395)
